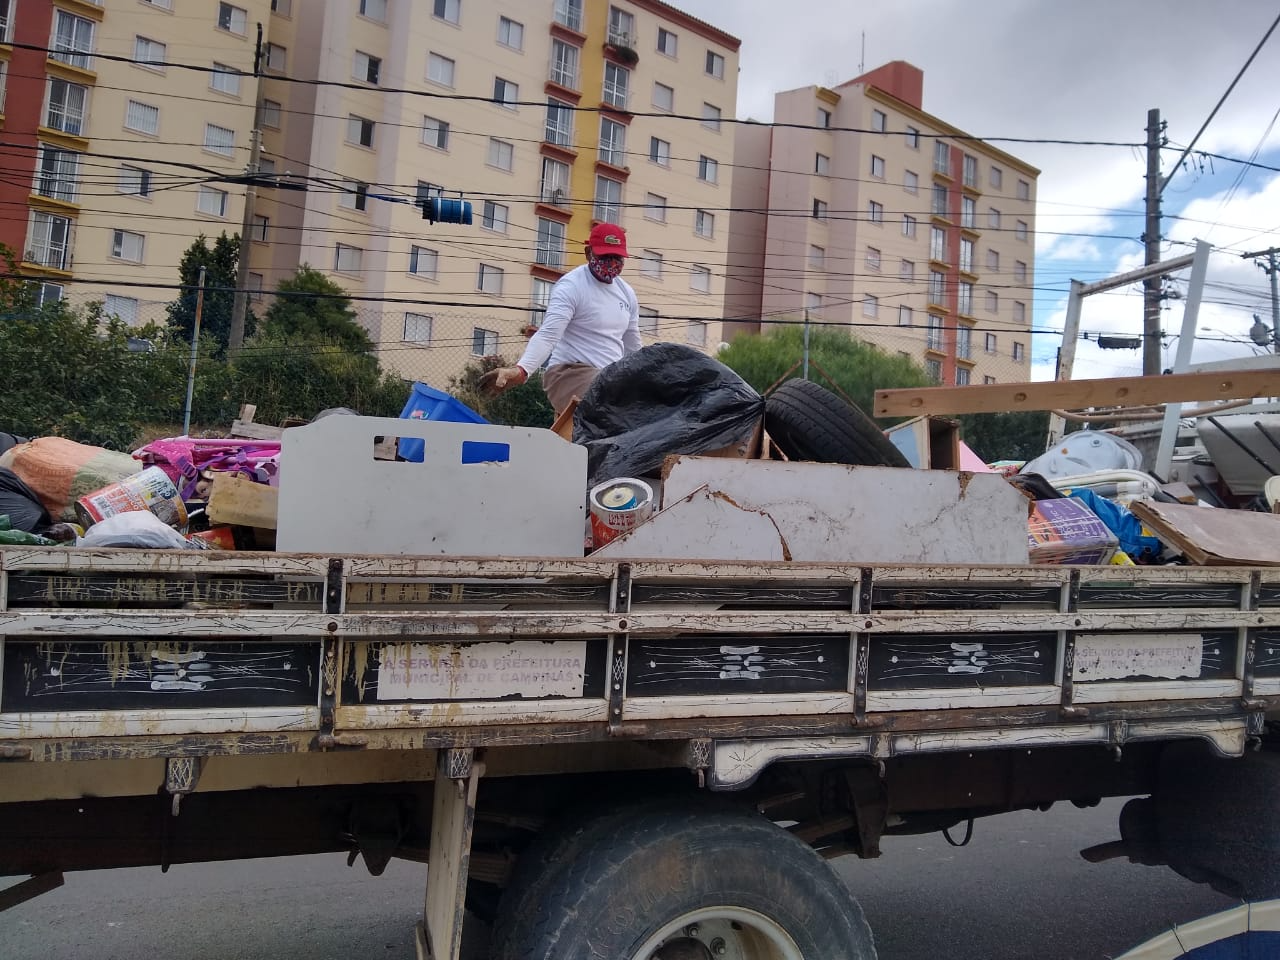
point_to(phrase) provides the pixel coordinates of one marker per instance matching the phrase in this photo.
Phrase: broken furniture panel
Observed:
(1215, 537)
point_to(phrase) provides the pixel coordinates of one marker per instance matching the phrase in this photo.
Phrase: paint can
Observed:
(149, 490)
(618, 507)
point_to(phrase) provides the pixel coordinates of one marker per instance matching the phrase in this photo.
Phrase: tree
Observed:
(857, 368)
(523, 406)
(1017, 435)
(221, 262)
(310, 306)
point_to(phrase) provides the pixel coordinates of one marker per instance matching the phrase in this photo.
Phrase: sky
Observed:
(1079, 70)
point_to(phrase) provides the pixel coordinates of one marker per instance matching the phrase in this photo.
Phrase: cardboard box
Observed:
(1066, 531)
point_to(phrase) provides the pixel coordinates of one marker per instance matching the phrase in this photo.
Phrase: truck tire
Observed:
(1216, 819)
(687, 881)
(809, 422)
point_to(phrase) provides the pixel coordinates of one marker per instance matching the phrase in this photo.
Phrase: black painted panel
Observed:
(691, 665)
(124, 674)
(1266, 654)
(990, 596)
(950, 661)
(1095, 596)
(1269, 596)
(774, 595)
(155, 592)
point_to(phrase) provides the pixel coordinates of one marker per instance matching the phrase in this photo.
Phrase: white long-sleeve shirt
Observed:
(586, 322)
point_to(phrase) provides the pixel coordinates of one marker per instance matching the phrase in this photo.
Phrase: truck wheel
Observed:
(689, 882)
(809, 422)
(1216, 819)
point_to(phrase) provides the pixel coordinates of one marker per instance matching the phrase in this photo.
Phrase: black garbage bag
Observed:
(664, 399)
(9, 440)
(22, 504)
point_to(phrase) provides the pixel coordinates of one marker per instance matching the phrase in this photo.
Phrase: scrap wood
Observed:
(1214, 536)
(242, 502)
(243, 428)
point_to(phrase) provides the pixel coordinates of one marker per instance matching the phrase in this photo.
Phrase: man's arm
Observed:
(560, 310)
(631, 341)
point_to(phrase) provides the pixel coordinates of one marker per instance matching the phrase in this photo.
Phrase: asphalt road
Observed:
(1019, 891)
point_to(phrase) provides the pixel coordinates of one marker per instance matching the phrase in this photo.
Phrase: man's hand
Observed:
(501, 380)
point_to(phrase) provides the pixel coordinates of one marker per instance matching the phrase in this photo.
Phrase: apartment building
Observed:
(884, 219)
(116, 158)
(546, 117)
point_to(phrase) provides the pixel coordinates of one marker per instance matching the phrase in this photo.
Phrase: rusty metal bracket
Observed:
(181, 774)
(869, 801)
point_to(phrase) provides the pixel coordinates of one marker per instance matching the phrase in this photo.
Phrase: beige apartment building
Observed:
(546, 117)
(883, 219)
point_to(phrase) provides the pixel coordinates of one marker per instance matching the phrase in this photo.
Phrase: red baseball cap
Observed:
(608, 240)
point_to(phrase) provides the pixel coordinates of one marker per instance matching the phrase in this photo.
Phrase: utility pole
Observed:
(1270, 269)
(240, 301)
(1153, 287)
(195, 345)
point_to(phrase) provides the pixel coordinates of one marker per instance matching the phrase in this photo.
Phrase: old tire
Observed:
(1216, 819)
(809, 422)
(667, 881)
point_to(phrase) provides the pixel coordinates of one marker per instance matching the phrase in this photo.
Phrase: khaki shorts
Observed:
(565, 381)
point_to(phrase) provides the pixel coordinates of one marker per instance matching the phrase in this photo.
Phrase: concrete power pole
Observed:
(240, 301)
(1270, 268)
(1153, 287)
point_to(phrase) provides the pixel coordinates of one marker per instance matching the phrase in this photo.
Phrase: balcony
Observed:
(568, 13)
(621, 47)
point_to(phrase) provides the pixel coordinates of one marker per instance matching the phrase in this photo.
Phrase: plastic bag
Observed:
(11, 537)
(137, 528)
(21, 504)
(62, 471)
(664, 399)
(1138, 544)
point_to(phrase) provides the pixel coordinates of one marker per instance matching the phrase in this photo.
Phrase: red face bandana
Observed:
(604, 269)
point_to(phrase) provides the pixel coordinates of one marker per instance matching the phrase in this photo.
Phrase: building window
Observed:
(435, 133)
(877, 167)
(715, 65)
(711, 117)
(219, 140)
(964, 342)
(232, 19)
(970, 171)
(225, 79)
(354, 195)
(538, 301)
(134, 181)
(49, 240)
(440, 70)
(57, 173)
(505, 93)
(501, 154)
(1024, 190)
(989, 343)
(664, 98)
(666, 42)
(1019, 271)
(374, 10)
(417, 328)
(824, 119)
(212, 201)
(276, 56)
(817, 258)
(655, 207)
(875, 212)
(1018, 352)
(569, 13)
(559, 127)
(933, 370)
(347, 259)
(968, 212)
(6, 20)
(938, 244)
(366, 67)
(871, 307)
(256, 282)
(908, 225)
(997, 178)
(423, 262)
(550, 247)
(271, 114)
(259, 228)
(988, 380)
(127, 245)
(992, 301)
(484, 343)
(704, 224)
(616, 85)
(359, 130)
(66, 106)
(912, 136)
(966, 255)
(700, 279)
(124, 309)
(1021, 230)
(72, 40)
(879, 122)
(941, 196)
(695, 333)
(649, 321)
(489, 279)
(510, 33)
(423, 194)
(813, 304)
(819, 209)
(149, 54)
(965, 299)
(933, 336)
(447, 10)
(660, 152)
(910, 182)
(962, 376)
(555, 182)
(708, 170)
(906, 316)
(942, 158)
(651, 264)
(613, 141)
(564, 64)
(495, 216)
(937, 287)
(993, 219)
(622, 28)
(993, 260)
(873, 259)
(283, 8)
(1019, 311)
(821, 164)
(907, 271)
(142, 118)
(608, 200)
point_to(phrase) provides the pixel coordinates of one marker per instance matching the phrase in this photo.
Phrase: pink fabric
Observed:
(184, 458)
(971, 461)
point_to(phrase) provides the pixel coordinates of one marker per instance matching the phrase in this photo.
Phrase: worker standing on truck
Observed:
(592, 319)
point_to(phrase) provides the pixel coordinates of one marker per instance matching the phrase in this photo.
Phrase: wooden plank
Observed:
(243, 502)
(1213, 536)
(241, 430)
(1075, 394)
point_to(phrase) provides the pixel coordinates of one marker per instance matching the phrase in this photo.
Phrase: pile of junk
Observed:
(669, 455)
